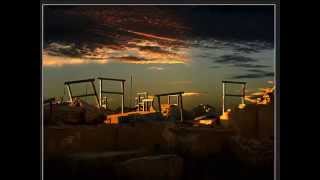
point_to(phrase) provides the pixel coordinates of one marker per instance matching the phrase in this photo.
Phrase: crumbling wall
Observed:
(76, 139)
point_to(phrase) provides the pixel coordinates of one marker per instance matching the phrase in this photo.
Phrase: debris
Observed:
(77, 112)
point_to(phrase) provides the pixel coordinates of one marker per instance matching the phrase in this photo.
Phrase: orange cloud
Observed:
(193, 94)
(57, 61)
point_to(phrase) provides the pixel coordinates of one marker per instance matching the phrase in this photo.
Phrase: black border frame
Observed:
(216, 2)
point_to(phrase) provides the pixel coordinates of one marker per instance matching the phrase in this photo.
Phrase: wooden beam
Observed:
(223, 96)
(111, 79)
(122, 97)
(79, 81)
(234, 82)
(110, 92)
(95, 93)
(243, 93)
(69, 92)
(100, 92)
(159, 104)
(181, 107)
(167, 94)
(83, 95)
(234, 95)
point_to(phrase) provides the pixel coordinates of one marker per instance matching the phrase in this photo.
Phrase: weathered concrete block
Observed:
(254, 121)
(246, 121)
(200, 141)
(75, 139)
(151, 167)
(266, 121)
(141, 135)
(97, 139)
(59, 141)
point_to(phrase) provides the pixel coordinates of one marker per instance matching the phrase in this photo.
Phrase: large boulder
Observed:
(168, 167)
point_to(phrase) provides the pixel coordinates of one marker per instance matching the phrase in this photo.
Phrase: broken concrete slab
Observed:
(151, 167)
(62, 140)
(198, 141)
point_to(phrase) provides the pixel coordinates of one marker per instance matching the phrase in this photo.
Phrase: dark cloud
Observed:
(129, 58)
(155, 49)
(84, 23)
(256, 70)
(251, 65)
(254, 75)
(234, 59)
(237, 60)
(67, 50)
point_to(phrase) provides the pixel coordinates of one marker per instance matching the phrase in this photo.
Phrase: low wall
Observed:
(152, 136)
(65, 140)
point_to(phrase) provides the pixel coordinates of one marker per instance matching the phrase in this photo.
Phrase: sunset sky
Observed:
(164, 49)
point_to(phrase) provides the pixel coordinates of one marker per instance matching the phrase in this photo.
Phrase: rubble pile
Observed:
(76, 112)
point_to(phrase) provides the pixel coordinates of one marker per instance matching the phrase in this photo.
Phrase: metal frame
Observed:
(140, 103)
(110, 92)
(91, 81)
(179, 99)
(169, 99)
(224, 94)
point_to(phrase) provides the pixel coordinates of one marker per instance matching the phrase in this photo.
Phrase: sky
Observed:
(163, 48)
